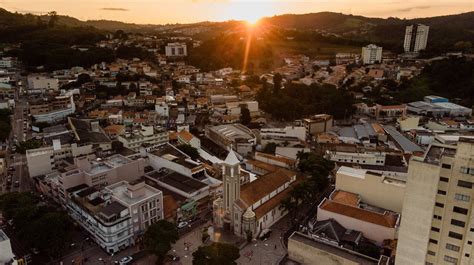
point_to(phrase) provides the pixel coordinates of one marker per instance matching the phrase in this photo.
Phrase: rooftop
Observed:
(264, 185)
(233, 131)
(386, 219)
(121, 192)
(176, 180)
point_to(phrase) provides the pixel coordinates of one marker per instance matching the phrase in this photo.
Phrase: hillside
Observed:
(445, 31)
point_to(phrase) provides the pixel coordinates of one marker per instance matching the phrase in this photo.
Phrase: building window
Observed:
(441, 192)
(450, 259)
(436, 229)
(458, 223)
(455, 235)
(437, 217)
(469, 242)
(432, 253)
(462, 197)
(452, 247)
(447, 166)
(443, 179)
(464, 170)
(466, 255)
(460, 210)
(465, 184)
(434, 241)
(438, 204)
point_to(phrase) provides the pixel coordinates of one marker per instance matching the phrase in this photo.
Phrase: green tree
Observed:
(277, 79)
(216, 254)
(270, 148)
(189, 150)
(245, 118)
(53, 19)
(159, 237)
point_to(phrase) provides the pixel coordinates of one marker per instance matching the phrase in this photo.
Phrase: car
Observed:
(125, 260)
(182, 224)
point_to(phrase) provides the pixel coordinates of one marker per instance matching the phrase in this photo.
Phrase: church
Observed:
(248, 208)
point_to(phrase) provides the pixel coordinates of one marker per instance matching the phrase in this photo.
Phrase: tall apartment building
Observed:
(416, 38)
(437, 225)
(371, 54)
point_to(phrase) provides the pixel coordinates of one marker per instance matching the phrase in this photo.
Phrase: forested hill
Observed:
(445, 31)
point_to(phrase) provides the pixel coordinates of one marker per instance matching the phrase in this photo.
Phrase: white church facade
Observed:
(248, 208)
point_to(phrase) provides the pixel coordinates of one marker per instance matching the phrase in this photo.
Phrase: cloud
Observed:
(114, 9)
(408, 9)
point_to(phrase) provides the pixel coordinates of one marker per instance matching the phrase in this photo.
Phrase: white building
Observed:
(7, 62)
(280, 135)
(416, 38)
(147, 136)
(371, 54)
(176, 49)
(108, 223)
(144, 202)
(6, 252)
(38, 83)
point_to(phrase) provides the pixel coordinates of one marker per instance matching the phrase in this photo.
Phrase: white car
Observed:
(182, 224)
(125, 260)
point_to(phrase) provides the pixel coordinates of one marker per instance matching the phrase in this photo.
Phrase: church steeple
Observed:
(231, 179)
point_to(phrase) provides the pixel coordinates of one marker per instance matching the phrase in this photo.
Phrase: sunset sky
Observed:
(182, 11)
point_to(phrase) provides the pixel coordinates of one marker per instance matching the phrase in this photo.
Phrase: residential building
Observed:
(318, 124)
(373, 187)
(108, 223)
(346, 208)
(437, 224)
(8, 62)
(185, 137)
(176, 49)
(38, 84)
(416, 38)
(52, 110)
(371, 54)
(289, 134)
(146, 136)
(144, 203)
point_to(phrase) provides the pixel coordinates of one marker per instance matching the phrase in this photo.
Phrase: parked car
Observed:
(265, 234)
(182, 224)
(125, 260)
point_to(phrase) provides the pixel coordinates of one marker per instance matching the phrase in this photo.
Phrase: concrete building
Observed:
(371, 54)
(38, 84)
(346, 208)
(318, 124)
(8, 62)
(144, 203)
(53, 110)
(108, 223)
(176, 49)
(373, 187)
(146, 136)
(437, 217)
(235, 136)
(6, 252)
(307, 251)
(290, 134)
(416, 38)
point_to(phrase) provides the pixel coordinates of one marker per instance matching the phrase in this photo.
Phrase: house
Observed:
(185, 137)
